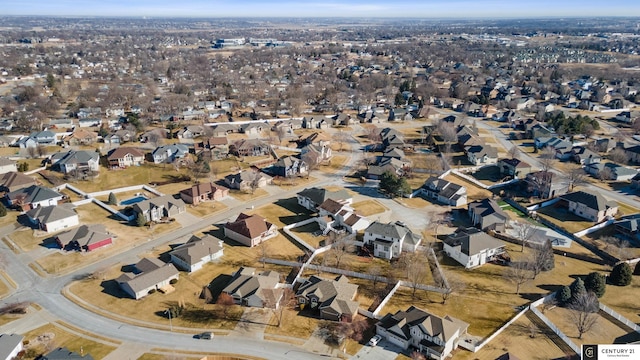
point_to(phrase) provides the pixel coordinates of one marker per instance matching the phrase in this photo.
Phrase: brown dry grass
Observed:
(369, 207)
(26, 239)
(413, 203)
(62, 338)
(489, 299)
(604, 332)
(516, 340)
(336, 164)
(282, 212)
(292, 324)
(474, 192)
(563, 218)
(305, 233)
(245, 196)
(206, 208)
(624, 299)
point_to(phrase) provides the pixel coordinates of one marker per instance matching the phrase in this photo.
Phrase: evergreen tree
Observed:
(577, 289)
(394, 185)
(637, 269)
(3, 210)
(563, 296)
(621, 274)
(546, 256)
(140, 220)
(596, 283)
(112, 199)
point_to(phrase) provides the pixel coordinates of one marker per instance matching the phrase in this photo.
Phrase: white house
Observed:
(482, 154)
(196, 252)
(311, 198)
(590, 205)
(7, 165)
(432, 335)
(333, 215)
(53, 218)
(10, 346)
(444, 191)
(169, 153)
(389, 240)
(248, 287)
(153, 274)
(69, 161)
(472, 247)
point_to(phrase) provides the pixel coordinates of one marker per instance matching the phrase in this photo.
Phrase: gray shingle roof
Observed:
(197, 248)
(592, 200)
(47, 214)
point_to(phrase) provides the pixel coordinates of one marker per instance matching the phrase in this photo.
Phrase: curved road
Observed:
(47, 292)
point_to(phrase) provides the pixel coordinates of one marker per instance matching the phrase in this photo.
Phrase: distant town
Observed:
(318, 188)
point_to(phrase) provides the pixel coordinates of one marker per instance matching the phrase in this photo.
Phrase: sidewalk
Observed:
(126, 351)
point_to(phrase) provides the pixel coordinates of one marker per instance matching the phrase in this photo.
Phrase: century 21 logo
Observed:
(590, 352)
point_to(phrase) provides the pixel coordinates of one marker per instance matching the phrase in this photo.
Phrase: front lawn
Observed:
(51, 336)
(369, 207)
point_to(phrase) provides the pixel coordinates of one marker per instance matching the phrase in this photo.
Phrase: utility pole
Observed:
(168, 311)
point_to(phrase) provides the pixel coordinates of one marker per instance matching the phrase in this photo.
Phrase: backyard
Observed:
(54, 335)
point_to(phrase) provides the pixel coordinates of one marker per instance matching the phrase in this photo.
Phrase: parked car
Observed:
(375, 340)
(206, 335)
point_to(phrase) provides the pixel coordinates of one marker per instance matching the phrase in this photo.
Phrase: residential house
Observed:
(389, 240)
(387, 164)
(63, 123)
(312, 122)
(628, 227)
(487, 215)
(250, 147)
(13, 181)
(513, 167)
(252, 129)
(10, 346)
(444, 191)
(482, 154)
(86, 112)
(119, 137)
(590, 205)
(123, 157)
(155, 135)
(247, 180)
(471, 247)
(545, 184)
(32, 197)
(611, 171)
(81, 137)
(311, 198)
(7, 165)
(85, 238)
(169, 153)
(249, 287)
(633, 153)
(76, 161)
(250, 230)
(159, 208)
(213, 148)
(429, 334)
(6, 124)
(391, 138)
(190, 132)
(45, 138)
(192, 255)
(222, 130)
(7, 141)
(89, 122)
(333, 299)
(152, 275)
(203, 192)
(65, 354)
(53, 218)
(289, 166)
(337, 216)
(584, 156)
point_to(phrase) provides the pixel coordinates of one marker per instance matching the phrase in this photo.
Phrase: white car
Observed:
(375, 340)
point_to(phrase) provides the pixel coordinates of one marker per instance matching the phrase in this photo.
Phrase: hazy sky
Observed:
(315, 8)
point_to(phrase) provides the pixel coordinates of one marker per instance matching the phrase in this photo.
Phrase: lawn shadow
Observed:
(368, 191)
(217, 233)
(217, 285)
(549, 287)
(111, 287)
(488, 173)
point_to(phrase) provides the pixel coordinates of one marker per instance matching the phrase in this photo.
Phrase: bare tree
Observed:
(576, 177)
(455, 285)
(341, 137)
(41, 150)
(339, 249)
(264, 252)
(584, 312)
(514, 152)
(31, 151)
(525, 232)
(225, 301)
(375, 271)
(447, 133)
(541, 259)
(547, 159)
(281, 304)
(616, 245)
(519, 274)
(606, 174)
(618, 155)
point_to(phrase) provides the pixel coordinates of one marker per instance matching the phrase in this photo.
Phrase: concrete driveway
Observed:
(383, 351)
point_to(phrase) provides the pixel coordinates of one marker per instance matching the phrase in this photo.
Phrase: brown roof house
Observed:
(311, 198)
(152, 275)
(255, 289)
(247, 180)
(161, 207)
(487, 215)
(590, 205)
(13, 181)
(192, 255)
(472, 247)
(85, 237)
(250, 230)
(432, 335)
(123, 157)
(203, 192)
(81, 137)
(332, 298)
